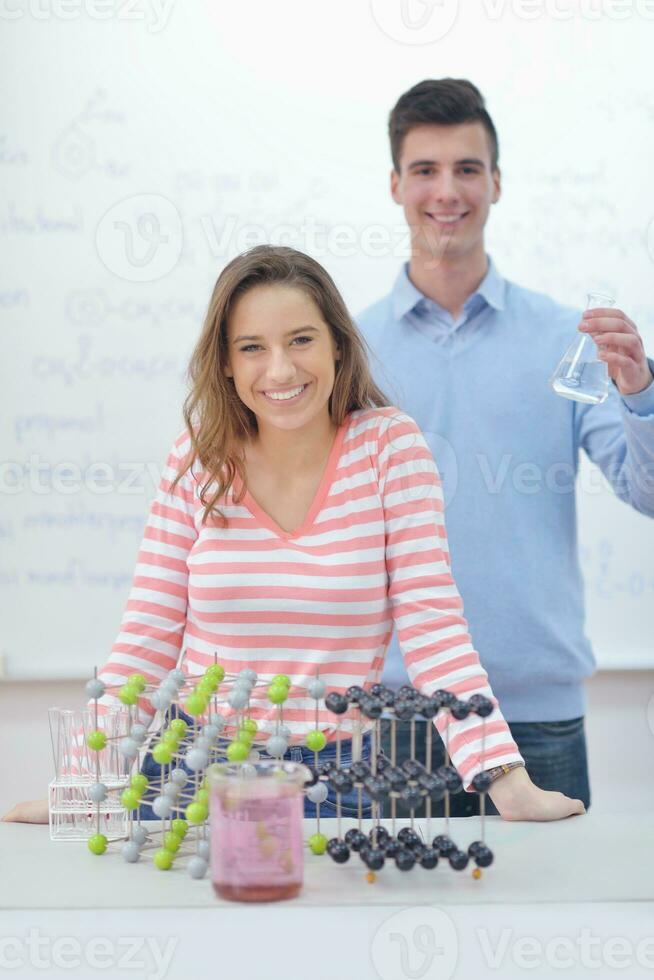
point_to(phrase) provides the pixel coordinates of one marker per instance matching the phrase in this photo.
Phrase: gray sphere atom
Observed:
(276, 746)
(203, 849)
(197, 759)
(197, 867)
(317, 793)
(95, 688)
(139, 834)
(317, 689)
(179, 777)
(238, 698)
(128, 747)
(171, 791)
(138, 733)
(203, 742)
(161, 806)
(177, 675)
(98, 792)
(211, 731)
(249, 674)
(131, 852)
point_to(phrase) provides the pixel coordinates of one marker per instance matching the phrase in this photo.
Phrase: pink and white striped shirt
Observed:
(322, 598)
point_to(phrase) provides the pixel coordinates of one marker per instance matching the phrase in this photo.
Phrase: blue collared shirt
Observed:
(508, 449)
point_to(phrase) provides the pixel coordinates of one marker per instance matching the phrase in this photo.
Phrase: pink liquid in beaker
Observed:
(256, 840)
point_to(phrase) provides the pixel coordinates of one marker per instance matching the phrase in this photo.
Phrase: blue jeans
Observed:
(349, 801)
(296, 753)
(554, 754)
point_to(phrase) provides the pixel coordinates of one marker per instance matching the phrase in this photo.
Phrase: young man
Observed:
(468, 354)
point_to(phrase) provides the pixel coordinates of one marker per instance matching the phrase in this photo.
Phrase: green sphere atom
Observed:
(250, 726)
(179, 827)
(97, 844)
(197, 813)
(244, 736)
(170, 738)
(139, 782)
(315, 741)
(128, 694)
(216, 671)
(179, 726)
(206, 687)
(237, 751)
(196, 704)
(162, 753)
(281, 679)
(318, 843)
(202, 796)
(171, 842)
(163, 860)
(130, 798)
(137, 681)
(277, 693)
(96, 740)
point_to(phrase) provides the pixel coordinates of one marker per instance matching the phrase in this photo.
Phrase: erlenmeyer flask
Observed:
(579, 374)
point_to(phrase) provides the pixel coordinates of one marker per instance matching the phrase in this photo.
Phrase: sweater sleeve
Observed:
(153, 624)
(426, 606)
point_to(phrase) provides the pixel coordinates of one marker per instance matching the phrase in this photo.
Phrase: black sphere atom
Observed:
(374, 859)
(484, 856)
(444, 845)
(411, 796)
(355, 839)
(459, 860)
(378, 835)
(460, 710)
(429, 858)
(408, 837)
(404, 859)
(371, 707)
(336, 703)
(355, 693)
(338, 850)
(481, 782)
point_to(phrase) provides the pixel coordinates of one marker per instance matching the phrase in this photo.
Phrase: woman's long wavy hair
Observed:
(218, 422)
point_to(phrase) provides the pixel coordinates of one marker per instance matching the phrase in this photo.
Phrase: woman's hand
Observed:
(517, 798)
(32, 811)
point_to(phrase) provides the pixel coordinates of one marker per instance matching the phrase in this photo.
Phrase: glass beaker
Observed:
(256, 811)
(73, 814)
(579, 374)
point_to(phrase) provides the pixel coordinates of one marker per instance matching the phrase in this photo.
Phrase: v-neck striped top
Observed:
(371, 551)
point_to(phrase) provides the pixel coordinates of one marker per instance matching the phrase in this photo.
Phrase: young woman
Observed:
(298, 516)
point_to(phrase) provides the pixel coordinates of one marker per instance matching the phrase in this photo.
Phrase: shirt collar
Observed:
(406, 296)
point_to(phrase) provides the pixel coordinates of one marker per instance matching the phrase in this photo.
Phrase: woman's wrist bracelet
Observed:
(498, 771)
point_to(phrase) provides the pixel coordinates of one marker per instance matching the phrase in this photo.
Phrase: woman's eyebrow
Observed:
(290, 333)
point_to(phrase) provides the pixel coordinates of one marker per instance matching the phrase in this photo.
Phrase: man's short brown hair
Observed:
(443, 101)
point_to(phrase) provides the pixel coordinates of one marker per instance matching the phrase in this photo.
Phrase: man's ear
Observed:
(497, 185)
(395, 181)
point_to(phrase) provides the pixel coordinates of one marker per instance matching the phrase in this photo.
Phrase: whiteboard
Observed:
(265, 122)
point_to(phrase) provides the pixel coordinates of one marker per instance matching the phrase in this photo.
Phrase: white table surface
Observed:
(548, 880)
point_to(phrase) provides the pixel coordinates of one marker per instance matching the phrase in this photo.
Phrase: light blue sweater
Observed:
(507, 448)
